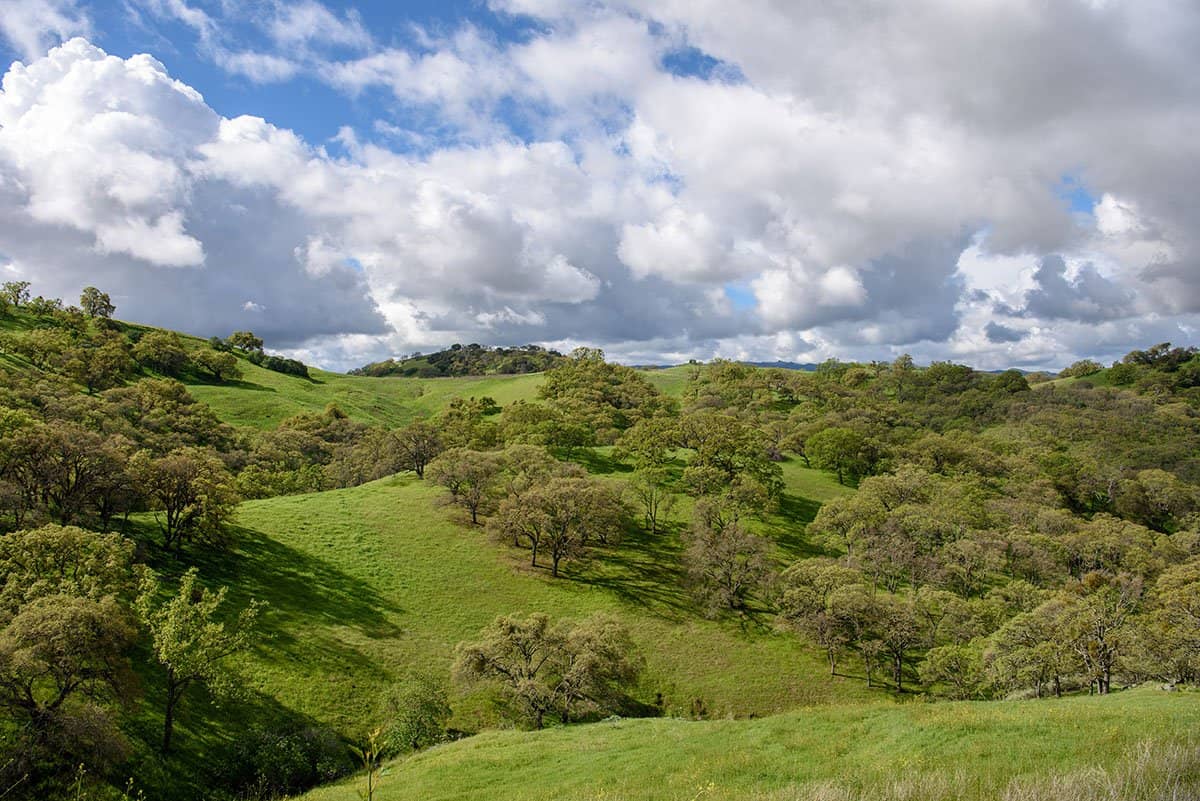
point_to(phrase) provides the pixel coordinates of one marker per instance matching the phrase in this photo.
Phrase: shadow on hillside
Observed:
(305, 595)
(789, 533)
(214, 742)
(306, 587)
(645, 570)
(195, 379)
(594, 461)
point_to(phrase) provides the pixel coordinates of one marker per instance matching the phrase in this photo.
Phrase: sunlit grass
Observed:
(963, 751)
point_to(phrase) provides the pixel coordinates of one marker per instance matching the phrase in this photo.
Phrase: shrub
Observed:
(270, 763)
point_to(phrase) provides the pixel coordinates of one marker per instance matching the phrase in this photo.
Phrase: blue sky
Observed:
(303, 104)
(664, 180)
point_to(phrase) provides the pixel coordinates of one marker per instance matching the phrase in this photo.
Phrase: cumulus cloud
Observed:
(1086, 297)
(574, 183)
(104, 180)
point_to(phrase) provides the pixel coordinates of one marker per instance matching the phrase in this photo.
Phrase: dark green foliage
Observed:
(16, 293)
(606, 398)
(95, 303)
(245, 341)
(162, 352)
(65, 635)
(414, 715)
(466, 360)
(271, 763)
(221, 366)
(279, 364)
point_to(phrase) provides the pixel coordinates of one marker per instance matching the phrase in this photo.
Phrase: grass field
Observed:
(369, 583)
(262, 398)
(963, 751)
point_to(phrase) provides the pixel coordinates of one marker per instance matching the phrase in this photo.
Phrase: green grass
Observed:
(1103, 378)
(368, 583)
(977, 747)
(670, 380)
(263, 399)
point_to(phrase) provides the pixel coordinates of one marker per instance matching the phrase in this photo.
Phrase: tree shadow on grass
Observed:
(645, 570)
(596, 462)
(788, 527)
(204, 380)
(305, 596)
(208, 738)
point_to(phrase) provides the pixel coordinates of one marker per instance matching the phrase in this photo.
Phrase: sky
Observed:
(995, 182)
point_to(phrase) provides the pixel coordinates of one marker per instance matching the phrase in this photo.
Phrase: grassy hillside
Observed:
(370, 583)
(262, 398)
(961, 751)
(669, 380)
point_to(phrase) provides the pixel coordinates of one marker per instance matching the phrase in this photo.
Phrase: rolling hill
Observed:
(370, 586)
(1120, 749)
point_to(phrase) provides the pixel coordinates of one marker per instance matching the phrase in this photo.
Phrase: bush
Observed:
(272, 763)
(414, 715)
(1122, 374)
(1081, 368)
(278, 364)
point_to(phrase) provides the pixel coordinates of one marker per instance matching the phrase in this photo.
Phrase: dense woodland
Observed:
(1006, 539)
(464, 360)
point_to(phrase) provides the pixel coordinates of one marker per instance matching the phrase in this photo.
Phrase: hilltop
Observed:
(466, 360)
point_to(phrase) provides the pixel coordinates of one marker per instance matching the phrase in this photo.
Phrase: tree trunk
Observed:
(535, 549)
(175, 690)
(554, 568)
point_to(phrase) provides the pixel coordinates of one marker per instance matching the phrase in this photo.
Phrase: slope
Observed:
(369, 584)
(963, 751)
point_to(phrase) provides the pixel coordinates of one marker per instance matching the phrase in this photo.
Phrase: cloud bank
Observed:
(1004, 183)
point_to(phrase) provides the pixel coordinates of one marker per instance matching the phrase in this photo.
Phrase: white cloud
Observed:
(301, 23)
(259, 67)
(680, 245)
(564, 184)
(31, 26)
(113, 168)
(104, 179)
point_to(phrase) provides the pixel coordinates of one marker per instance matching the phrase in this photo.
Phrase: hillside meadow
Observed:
(1057, 750)
(368, 584)
(262, 399)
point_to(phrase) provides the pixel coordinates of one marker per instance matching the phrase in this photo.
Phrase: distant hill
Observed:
(807, 366)
(466, 360)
